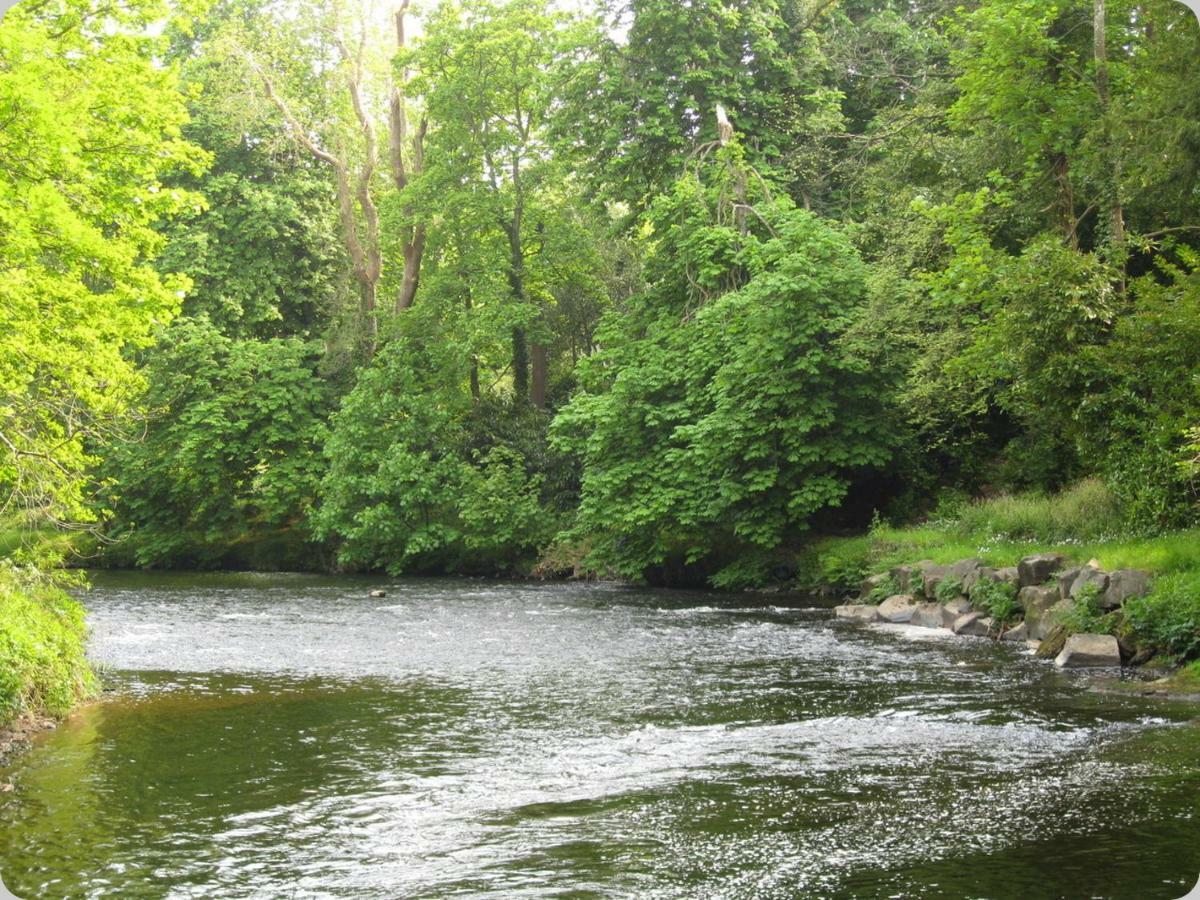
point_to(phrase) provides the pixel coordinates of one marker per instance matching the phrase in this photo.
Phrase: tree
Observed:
(720, 416)
(348, 141)
(485, 77)
(229, 454)
(90, 129)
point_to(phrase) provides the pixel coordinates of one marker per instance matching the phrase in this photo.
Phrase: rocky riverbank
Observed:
(1046, 601)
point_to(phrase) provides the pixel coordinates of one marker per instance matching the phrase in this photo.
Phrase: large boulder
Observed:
(929, 615)
(1042, 622)
(1018, 633)
(861, 612)
(1037, 600)
(959, 606)
(1038, 568)
(898, 608)
(975, 624)
(1089, 650)
(1065, 580)
(931, 578)
(1123, 584)
(1089, 575)
(910, 579)
(965, 567)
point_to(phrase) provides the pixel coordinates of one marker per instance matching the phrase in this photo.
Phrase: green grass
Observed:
(43, 669)
(1081, 523)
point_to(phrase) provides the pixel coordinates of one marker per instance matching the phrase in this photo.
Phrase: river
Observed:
(290, 736)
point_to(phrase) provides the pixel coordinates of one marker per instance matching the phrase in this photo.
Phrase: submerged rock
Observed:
(898, 608)
(1038, 568)
(1089, 650)
(378, 593)
(861, 612)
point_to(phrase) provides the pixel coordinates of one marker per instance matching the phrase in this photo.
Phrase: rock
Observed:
(959, 606)
(1088, 650)
(1123, 584)
(973, 623)
(932, 577)
(861, 612)
(1037, 601)
(7, 787)
(378, 593)
(872, 582)
(1006, 575)
(973, 578)
(1043, 626)
(965, 567)
(1038, 568)
(897, 608)
(1065, 580)
(1089, 575)
(910, 579)
(1019, 632)
(928, 615)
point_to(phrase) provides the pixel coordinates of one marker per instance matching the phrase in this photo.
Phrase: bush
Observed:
(888, 588)
(998, 599)
(948, 589)
(1168, 618)
(1085, 616)
(42, 664)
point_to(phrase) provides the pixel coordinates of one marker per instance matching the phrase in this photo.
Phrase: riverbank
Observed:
(1157, 624)
(44, 671)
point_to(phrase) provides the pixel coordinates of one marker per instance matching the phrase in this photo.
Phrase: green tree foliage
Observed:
(229, 453)
(720, 415)
(90, 128)
(406, 489)
(640, 97)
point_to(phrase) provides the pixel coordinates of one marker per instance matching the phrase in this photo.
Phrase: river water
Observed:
(289, 736)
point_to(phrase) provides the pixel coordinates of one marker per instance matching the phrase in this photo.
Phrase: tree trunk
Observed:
(412, 236)
(520, 363)
(1064, 201)
(539, 366)
(1116, 213)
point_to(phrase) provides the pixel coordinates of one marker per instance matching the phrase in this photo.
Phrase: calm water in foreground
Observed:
(288, 736)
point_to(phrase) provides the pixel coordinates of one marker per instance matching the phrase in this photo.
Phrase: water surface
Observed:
(289, 736)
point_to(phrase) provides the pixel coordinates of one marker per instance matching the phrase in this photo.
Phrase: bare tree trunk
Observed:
(353, 190)
(412, 237)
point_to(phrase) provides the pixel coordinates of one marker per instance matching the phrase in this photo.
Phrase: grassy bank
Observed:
(1082, 522)
(43, 670)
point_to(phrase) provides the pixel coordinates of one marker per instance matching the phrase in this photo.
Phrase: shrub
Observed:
(1168, 618)
(1086, 616)
(888, 588)
(948, 589)
(998, 599)
(42, 664)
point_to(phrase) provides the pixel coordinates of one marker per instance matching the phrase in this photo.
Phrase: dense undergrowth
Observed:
(43, 669)
(1082, 522)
